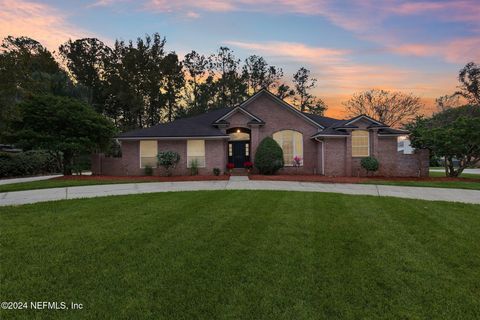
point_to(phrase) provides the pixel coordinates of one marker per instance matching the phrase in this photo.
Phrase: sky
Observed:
(412, 46)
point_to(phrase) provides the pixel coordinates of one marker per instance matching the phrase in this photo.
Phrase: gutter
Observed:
(175, 138)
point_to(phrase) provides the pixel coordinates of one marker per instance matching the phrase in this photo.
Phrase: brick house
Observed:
(326, 146)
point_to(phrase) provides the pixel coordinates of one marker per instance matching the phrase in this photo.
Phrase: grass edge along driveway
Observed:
(469, 182)
(243, 255)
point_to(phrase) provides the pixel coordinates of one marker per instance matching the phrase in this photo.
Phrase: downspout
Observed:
(323, 158)
(323, 155)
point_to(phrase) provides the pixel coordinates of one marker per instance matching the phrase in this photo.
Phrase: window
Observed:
(239, 136)
(291, 143)
(148, 153)
(196, 151)
(403, 145)
(360, 143)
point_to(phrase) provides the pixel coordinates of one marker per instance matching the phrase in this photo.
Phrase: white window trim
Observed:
(204, 153)
(140, 154)
(294, 145)
(368, 144)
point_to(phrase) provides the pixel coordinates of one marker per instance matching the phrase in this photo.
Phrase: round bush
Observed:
(370, 164)
(269, 156)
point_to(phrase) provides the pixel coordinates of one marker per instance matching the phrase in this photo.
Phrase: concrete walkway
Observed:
(237, 183)
(28, 179)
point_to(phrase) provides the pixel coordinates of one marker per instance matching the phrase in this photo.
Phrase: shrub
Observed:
(28, 163)
(248, 165)
(194, 167)
(148, 170)
(168, 160)
(216, 171)
(269, 156)
(370, 164)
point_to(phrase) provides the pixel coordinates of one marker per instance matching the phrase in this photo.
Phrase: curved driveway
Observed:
(237, 183)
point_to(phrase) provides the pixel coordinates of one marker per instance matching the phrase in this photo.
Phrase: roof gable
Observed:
(363, 117)
(280, 102)
(235, 110)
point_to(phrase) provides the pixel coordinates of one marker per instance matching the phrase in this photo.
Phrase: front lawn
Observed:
(75, 181)
(243, 255)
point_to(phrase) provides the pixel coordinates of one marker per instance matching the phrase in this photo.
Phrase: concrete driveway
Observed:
(237, 183)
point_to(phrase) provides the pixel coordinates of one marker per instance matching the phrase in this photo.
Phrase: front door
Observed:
(238, 156)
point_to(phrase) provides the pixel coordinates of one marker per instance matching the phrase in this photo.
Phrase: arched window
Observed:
(292, 145)
(360, 143)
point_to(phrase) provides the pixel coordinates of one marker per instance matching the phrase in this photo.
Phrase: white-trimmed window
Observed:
(360, 143)
(196, 152)
(148, 153)
(291, 143)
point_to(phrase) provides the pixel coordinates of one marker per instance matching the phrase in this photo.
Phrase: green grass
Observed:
(59, 183)
(243, 255)
(463, 175)
(465, 184)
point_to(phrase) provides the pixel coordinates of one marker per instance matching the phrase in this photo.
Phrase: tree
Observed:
(259, 75)
(173, 84)
(231, 85)
(469, 78)
(26, 67)
(446, 102)
(303, 83)
(451, 134)
(196, 68)
(65, 126)
(86, 59)
(269, 156)
(391, 108)
(135, 76)
(303, 99)
(284, 91)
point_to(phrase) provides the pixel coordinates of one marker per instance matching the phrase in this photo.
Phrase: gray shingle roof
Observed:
(204, 126)
(196, 126)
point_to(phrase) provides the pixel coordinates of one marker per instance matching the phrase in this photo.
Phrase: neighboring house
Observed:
(327, 146)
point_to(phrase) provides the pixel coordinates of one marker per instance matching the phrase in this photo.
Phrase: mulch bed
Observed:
(303, 178)
(315, 178)
(144, 178)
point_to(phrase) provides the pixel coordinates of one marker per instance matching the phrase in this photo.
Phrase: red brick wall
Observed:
(335, 156)
(338, 159)
(129, 163)
(279, 118)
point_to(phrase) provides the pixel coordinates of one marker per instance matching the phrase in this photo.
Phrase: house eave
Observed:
(392, 134)
(176, 138)
(328, 136)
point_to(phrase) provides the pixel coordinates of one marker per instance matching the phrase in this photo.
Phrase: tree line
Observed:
(72, 101)
(139, 83)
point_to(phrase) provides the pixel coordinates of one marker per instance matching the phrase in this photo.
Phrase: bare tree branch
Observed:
(391, 108)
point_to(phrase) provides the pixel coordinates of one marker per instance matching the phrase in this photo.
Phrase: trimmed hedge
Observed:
(269, 156)
(370, 164)
(27, 163)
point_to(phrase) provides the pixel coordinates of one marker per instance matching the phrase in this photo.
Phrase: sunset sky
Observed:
(412, 46)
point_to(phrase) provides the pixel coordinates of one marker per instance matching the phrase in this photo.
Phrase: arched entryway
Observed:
(238, 146)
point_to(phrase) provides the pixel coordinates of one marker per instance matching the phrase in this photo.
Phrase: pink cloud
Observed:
(293, 51)
(461, 50)
(38, 21)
